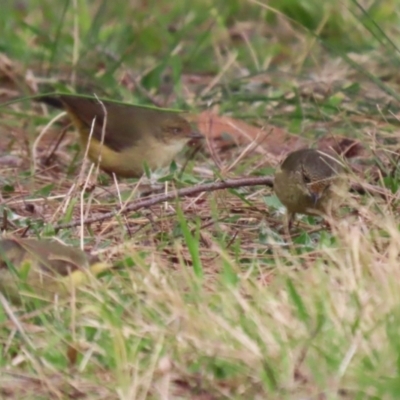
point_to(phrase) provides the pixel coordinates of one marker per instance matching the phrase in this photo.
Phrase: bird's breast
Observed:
(129, 162)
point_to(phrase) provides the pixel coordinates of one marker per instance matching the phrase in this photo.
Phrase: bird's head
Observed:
(313, 185)
(174, 128)
(312, 171)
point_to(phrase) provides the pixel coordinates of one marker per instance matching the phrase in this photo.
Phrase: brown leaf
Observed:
(226, 132)
(346, 147)
(72, 354)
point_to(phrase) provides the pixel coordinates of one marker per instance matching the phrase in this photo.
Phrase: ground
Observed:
(208, 298)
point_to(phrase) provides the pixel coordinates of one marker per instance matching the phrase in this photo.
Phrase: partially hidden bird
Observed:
(122, 137)
(309, 182)
(32, 268)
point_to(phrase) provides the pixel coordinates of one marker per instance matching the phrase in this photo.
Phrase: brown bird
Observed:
(309, 182)
(133, 135)
(42, 268)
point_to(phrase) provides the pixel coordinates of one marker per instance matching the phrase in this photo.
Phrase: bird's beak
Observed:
(196, 135)
(315, 196)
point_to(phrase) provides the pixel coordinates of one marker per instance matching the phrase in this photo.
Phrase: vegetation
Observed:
(209, 299)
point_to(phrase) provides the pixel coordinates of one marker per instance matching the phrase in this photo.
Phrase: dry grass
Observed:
(208, 298)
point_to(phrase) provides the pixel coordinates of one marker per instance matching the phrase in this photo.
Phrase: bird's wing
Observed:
(125, 124)
(53, 256)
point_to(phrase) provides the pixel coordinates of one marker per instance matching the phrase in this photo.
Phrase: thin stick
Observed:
(120, 202)
(55, 147)
(41, 134)
(18, 326)
(207, 187)
(82, 204)
(190, 191)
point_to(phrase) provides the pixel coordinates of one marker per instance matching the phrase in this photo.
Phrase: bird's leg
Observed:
(291, 218)
(329, 219)
(288, 225)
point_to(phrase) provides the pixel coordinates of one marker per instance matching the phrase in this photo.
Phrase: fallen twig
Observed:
(190, 191)
(206, 187)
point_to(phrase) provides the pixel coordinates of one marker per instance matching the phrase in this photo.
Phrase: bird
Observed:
(132, 136)
(309, 182)
(43, 268)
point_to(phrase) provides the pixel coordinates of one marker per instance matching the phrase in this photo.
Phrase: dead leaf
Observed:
(72, 354)
(227, 132)
(346, 147)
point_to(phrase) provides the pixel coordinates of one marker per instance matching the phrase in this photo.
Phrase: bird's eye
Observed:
(176, 130)
(306, 178)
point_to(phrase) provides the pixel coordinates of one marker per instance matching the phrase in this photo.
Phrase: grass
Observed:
(209, 300)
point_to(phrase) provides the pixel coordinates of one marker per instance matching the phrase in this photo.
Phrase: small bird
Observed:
(43, 268)
(308, 182)
(133, 135)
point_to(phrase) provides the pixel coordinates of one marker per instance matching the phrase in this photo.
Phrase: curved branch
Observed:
(194, 190)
